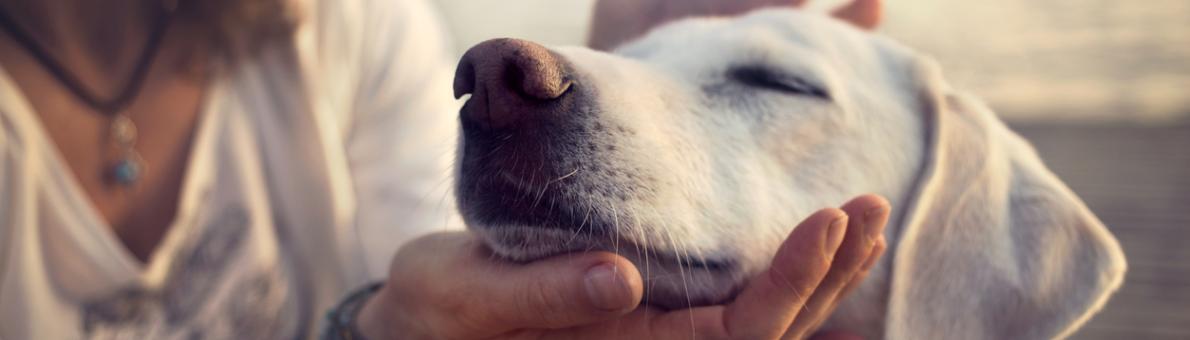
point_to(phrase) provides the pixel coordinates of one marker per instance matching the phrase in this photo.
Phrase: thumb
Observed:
(563, 291)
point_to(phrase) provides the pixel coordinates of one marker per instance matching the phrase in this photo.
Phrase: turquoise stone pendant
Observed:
(126, 172)
(128, 169)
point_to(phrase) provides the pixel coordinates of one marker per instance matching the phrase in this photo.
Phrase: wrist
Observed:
(372, 320)
(342, 322)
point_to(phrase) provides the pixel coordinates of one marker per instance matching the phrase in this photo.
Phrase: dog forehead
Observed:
(773, 36)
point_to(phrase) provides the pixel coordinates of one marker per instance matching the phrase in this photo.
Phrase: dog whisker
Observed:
(539, 195)
(685, 282)
(586, 217)
(572, 173)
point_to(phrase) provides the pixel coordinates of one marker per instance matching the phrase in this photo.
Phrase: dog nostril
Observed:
(538, 76)
(509, 79)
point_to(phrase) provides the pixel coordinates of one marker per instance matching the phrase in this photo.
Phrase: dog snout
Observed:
(511, 82)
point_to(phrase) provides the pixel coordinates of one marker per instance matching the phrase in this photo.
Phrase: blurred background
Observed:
(1101, 87)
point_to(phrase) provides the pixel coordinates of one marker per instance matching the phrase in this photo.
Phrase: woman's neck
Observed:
(97, 40)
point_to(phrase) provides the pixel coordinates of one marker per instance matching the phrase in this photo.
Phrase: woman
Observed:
(233, 168)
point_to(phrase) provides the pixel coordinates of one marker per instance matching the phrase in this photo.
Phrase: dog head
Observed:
(693, 151)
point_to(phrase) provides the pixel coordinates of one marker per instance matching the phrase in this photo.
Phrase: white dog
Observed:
(696, 149)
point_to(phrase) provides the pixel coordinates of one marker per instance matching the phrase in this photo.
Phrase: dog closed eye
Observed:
(765, 78)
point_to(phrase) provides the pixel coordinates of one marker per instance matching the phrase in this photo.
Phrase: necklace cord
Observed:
(107, 107)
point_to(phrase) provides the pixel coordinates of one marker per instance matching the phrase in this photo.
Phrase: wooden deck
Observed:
(1137, 179)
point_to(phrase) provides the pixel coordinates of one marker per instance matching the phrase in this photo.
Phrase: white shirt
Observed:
(311, 164)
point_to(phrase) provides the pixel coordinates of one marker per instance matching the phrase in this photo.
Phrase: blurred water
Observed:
(1033, 60)
(1059, 59)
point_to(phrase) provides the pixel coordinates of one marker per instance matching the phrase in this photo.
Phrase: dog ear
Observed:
(992, 245)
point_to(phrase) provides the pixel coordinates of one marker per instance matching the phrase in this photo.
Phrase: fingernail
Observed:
(874, 222)
(834, 234)
(607, 289)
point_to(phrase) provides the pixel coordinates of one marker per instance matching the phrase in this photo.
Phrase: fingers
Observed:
(865, 14)
(774, 299)
(825, 257)
(807, 277)
(868, 215)
(459, 290)
(877, 251)
(856, 280)
(771, 300)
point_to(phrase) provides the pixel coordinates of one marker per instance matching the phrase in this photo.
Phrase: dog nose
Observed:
(509, 80)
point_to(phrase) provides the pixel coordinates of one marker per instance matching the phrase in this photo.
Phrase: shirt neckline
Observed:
(112, 255)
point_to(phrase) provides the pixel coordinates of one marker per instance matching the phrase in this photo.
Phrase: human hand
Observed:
(448, 286)
(618, 21)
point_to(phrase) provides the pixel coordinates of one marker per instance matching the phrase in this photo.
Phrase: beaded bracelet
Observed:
(340, 321)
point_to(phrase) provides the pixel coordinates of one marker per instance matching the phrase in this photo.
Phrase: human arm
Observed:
(401, 134)
(618, 21)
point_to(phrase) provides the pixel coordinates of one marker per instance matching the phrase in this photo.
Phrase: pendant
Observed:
(129, 168)
(126, 171)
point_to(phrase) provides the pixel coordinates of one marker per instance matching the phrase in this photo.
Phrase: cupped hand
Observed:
(448, 286)
(617, 21)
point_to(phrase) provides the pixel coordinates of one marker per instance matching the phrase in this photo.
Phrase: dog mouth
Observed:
(530, 243)
(522, 223)
(674, 278)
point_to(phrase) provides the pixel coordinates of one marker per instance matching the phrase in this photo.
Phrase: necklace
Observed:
(122, 132)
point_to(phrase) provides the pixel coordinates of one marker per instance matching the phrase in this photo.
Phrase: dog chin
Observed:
(671, 281)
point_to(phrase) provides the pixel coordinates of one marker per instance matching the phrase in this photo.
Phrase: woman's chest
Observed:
(163, 121)
(223, 268)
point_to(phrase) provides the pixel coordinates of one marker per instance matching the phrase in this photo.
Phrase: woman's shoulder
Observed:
(372, 25)
(353, 49)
